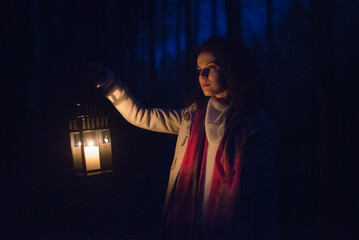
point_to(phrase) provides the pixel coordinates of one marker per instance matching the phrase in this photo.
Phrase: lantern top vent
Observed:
(88, 117)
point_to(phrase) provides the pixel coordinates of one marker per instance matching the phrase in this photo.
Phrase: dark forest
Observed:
(307, 52)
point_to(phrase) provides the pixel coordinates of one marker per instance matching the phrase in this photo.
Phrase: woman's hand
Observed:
(99, 76)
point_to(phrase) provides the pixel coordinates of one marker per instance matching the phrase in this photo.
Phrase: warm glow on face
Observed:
(90, 143)
(211, 78)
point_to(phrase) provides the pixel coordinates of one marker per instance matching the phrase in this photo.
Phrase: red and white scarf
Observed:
(185, 216)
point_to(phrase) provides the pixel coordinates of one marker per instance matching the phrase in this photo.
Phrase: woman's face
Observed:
(210, 76)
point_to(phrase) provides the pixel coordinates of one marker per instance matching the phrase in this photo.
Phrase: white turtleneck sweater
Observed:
(214, 127)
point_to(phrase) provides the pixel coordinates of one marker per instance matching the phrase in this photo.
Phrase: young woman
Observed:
(222, 180)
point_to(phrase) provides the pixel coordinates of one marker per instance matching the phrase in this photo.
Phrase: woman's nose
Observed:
(204, 73)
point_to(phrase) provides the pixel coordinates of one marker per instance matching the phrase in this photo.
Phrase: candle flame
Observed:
(106, 140)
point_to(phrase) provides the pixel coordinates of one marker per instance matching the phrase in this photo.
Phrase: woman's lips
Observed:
(205, 85)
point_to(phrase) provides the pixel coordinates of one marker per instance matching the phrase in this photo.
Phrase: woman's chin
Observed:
(207, 94)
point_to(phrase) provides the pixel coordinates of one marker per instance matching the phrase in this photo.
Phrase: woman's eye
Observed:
(212, 67)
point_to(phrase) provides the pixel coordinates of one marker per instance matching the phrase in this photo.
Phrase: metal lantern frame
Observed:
(90, 140)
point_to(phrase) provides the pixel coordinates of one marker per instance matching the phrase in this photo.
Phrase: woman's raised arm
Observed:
(154, 119)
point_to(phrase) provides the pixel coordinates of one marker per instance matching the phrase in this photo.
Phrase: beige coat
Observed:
(158, 120)
(256, 216)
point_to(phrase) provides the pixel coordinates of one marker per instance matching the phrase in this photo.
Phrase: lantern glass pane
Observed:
(77, 141)
(106, 139)
(90, 139)
(76, 151)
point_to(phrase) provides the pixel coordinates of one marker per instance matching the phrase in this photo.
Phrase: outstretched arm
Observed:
(154, 119)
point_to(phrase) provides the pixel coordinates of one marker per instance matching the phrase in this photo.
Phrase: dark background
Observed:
(307, 52)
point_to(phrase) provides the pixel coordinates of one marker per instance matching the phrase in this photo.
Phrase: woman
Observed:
(222, 181)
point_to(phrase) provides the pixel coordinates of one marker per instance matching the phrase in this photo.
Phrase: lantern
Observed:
(90, 141)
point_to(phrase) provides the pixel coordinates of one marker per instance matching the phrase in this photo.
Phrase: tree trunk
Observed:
(270, 60)
(214, 18)
(323, 77)
(151, 67)
(234, 20)
(132, 42)
(163, 35)
(189, 45)
(196, 21)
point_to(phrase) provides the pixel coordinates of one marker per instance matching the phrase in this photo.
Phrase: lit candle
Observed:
(92, 157)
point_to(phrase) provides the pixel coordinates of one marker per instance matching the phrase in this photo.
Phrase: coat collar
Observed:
(188, 113)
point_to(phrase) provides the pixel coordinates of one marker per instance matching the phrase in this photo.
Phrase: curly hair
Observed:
(241, 74)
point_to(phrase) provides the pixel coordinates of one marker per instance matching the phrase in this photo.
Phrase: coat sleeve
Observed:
(154, 119)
